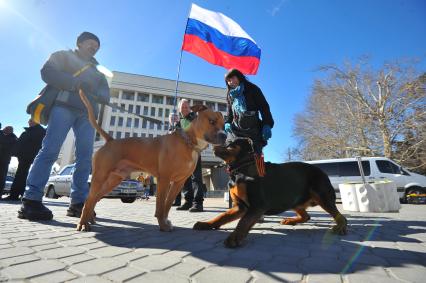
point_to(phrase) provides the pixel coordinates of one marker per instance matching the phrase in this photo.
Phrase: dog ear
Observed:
(198, 108)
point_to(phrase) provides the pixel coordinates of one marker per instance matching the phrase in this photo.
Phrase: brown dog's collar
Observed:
(189, 142)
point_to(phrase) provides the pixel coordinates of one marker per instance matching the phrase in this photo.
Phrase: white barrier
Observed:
(370, 197)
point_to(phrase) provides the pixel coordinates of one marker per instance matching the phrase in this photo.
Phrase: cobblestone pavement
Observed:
(126, 245)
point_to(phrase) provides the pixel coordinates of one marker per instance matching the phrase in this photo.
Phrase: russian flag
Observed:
(220, 41)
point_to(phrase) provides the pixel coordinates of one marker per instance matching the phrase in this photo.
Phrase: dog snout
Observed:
(221, 136)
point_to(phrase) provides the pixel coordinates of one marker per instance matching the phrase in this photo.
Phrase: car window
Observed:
(387, 167)
(67, 170)
(351, 168)
(331, 169)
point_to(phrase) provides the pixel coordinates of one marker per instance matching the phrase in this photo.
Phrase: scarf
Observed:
(238, 101)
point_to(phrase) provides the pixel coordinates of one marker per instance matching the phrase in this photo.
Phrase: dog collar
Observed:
(189, 141)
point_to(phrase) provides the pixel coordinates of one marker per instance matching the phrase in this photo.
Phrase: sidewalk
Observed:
(126, 245)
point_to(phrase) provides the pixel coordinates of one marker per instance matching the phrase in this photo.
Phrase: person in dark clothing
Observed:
(7, 143)
(27, 147)
(193, 187)
(245, 102)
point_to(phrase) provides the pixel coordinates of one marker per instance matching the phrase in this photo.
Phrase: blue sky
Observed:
(144, 37)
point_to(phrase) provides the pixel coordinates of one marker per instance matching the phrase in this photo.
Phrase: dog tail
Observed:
(92, 118)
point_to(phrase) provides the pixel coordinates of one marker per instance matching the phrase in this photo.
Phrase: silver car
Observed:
(60, 185)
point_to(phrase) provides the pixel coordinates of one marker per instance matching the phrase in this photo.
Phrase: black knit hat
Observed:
(87, 35)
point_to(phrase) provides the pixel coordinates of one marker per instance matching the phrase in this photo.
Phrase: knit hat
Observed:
(87, 35)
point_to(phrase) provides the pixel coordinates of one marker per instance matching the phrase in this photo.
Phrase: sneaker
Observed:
(176, 203)
(10, 198)
(185, 206)
(75, 209)
(197, 207)
(34, 210)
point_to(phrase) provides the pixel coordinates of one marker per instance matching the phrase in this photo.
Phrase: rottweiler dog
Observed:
(292, 185)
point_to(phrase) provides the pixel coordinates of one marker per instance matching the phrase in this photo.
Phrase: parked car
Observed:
(60, 185)
(375, 168)
(8, 184)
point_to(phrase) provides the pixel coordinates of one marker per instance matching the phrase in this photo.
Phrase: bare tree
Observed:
(357, 110)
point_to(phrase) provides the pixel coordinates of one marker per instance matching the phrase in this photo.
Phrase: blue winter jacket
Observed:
(59, 71)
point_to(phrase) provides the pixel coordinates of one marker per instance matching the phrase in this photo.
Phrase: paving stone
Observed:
(77, 259)
(163, 277)
(324, 278)
(122, 274)
(78, 242)
(367, 278)
(36, 242)
(109, 251)
(12, 252)
(90, 279)
(222, 274)
(31, 269)
(96, 266)
(47, 247)
(410, 272)
(18, 260)
(185, 269)
(55, 277)
(60, 252)
(6, 246)
(155, 262)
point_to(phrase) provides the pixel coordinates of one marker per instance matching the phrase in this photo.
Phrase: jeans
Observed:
(61, 120)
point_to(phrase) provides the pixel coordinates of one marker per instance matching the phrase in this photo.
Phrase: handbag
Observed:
(40, 107)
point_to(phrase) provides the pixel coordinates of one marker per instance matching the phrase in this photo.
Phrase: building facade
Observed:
(153, 97)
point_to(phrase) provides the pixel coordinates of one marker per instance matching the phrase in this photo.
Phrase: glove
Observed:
(266, 132)
(227, 127)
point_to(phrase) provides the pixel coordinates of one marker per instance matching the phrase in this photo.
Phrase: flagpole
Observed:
(180, 62)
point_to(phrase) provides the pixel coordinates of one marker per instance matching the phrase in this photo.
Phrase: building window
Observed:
(131, 108)
(167, 113)
(138, 109)
(170, 100)
(151, 125)
(135, 135)
(120, 121)
(127, 135)
(111, 133)
(129, 122)
(211, 105)
(166, 126)
(136, 123)
(145, 110)
(153, 111)
(118, 135)
(115, 109)
(198, 102)
(144, 97)
(143, 135)
(112, 121)
(221, 107)
(151, 135)
(144, 124)
(157, 99)
(114, 92)
(160, 112)
(123, 106)
(127, 95)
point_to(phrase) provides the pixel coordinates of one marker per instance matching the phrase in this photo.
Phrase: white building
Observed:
(153, 97)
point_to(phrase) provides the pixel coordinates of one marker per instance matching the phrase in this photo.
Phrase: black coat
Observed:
(29, 143)
(7, 146)
(255, 101)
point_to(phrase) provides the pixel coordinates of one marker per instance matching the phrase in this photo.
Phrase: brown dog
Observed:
(171, 158)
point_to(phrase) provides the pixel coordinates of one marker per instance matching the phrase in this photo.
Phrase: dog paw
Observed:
(168, 227)
(234, 240)
(202, 226)
(288, 221)
(83, 227)
(339, 230)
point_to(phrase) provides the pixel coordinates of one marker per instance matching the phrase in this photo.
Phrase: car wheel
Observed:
(128, 200)
(51, 193)
(413, 190)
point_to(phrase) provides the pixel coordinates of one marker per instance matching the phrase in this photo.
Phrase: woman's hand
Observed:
(227, 127)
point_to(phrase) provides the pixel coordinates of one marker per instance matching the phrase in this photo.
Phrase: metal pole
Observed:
(361, 170)
(177, 81)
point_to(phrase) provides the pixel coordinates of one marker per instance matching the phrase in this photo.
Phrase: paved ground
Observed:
(126, 245)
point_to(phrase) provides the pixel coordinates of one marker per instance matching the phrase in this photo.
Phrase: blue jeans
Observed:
(61, 120)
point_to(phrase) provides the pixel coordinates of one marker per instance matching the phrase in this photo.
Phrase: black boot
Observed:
(34, 210)
(75, 209)
(197, 207)
(185, 206)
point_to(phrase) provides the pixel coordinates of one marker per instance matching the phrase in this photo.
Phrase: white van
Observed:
(375, 169)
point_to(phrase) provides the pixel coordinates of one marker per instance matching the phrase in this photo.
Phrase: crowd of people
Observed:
(68, 71)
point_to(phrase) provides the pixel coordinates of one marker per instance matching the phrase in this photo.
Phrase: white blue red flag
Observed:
(220, 41)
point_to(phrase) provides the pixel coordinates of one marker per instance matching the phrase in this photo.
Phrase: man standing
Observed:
(7, 144)
(68, 72)
(27, 147)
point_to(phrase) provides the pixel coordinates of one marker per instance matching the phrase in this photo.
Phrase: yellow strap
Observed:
(85, 67)
(37, 113)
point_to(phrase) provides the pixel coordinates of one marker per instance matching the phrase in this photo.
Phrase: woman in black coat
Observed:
(245, 102)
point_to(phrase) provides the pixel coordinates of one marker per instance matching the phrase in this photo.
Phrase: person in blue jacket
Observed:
(67, 71)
